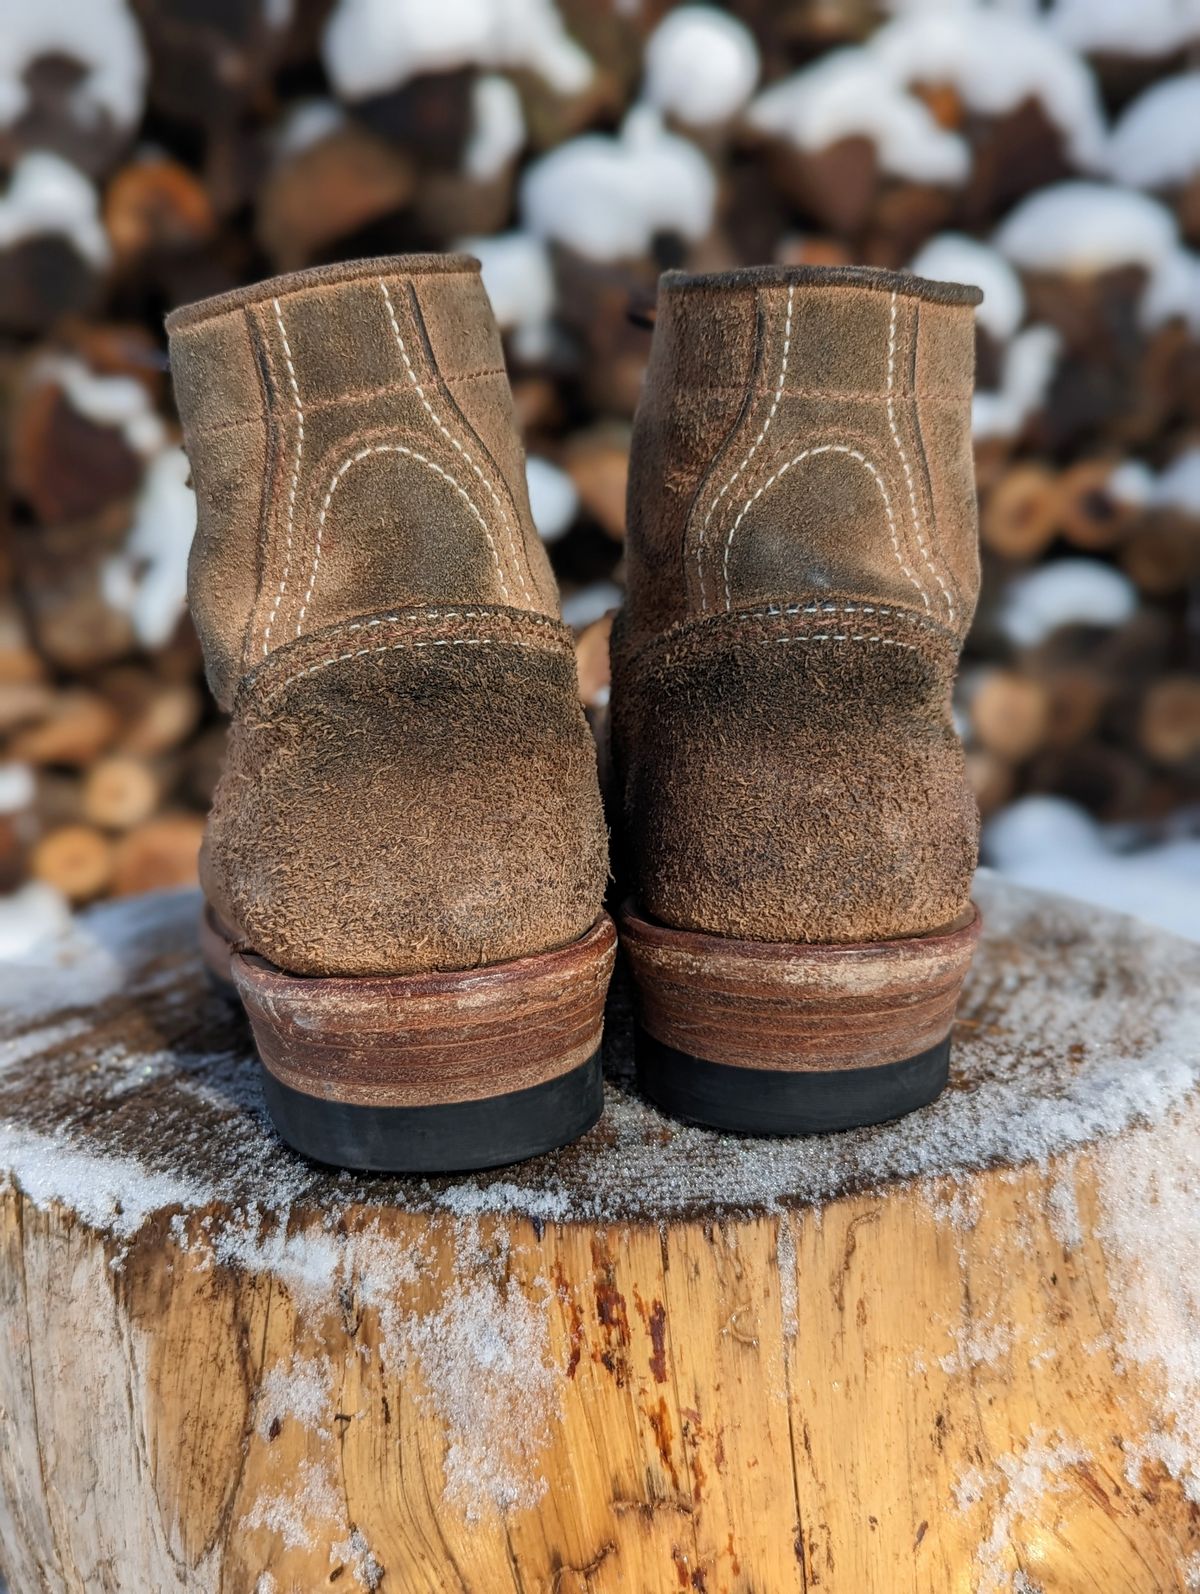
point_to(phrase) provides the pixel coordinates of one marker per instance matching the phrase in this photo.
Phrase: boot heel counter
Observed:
(796, 776)
(415, 796)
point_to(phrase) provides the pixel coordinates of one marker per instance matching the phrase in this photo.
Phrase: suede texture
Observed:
(352, 444)
(409, 792)
(803, 564)
(410, 782)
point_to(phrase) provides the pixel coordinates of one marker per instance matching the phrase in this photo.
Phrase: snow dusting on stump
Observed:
(129, 1092)
(1074, 1025)
(484, 1358)
(1015, 1485)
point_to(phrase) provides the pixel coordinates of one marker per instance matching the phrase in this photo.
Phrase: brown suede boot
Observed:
(406, 855)
(802, 570)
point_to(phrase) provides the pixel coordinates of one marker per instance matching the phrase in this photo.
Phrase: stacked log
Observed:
(186, 155)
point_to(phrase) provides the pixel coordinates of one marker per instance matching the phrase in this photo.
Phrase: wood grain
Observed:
(661, 1361)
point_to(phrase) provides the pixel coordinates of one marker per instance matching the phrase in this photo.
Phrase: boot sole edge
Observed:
(771, 1102)
(793, 1038)
(427, 1073)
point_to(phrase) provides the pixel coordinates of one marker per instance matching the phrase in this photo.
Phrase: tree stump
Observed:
(960, 1352)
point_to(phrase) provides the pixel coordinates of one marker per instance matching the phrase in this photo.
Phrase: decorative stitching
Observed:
(450, 438)
(766, 426)
(398, 448)
(287, 559)
(395, 647)
(908, 476)
(859, 395)
(828, 636)
(774, 612)
(688, 636)
(527, 618)
(808, 453)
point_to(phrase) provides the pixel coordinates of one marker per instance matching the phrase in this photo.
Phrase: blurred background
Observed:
(154, 151)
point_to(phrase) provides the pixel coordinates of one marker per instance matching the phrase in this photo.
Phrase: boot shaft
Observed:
(803, 566)
(353, 449)
(804, 431)
(410, 782)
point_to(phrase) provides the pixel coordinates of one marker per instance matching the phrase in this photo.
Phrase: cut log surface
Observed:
(956, 1353)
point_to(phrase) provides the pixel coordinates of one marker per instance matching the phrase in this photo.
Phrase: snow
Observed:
(371, 46)
(498, 130)
(1104, 1060)
(1176, 487)
(47, 195)
(306, 123)
(1016, 1485)
(1156, 141)
(1082, 228)
(355, 1552)
(997, 61)
(977, 1345)
(1062, 1210)
(953, 257)
(1030, 362)
(701, 64)
(851, 94)
(1174, 291)
(299, 1390)
(553, 499)
(1078, 1026)
(1065, 592)
(485, 1363)
(148, 579)
(1115, 27)
(34, 914)
(1031, 355)
(519, 280)
(1054, 845)
(17, 787)
(117, 401)
(100, 1188)
(591, 603)
(1149, 1226)
(109, 48)
(607, 196)
(789, 1290)
(309, 1495)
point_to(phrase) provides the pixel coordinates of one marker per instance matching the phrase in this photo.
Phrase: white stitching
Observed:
(287, 561)
(828, 636)
(821, 448)
(772, 611)
(766, 426)
(395, 647)
(450, 438)
(425, 614)
(398, 448)
(446, 614)
(908, 476)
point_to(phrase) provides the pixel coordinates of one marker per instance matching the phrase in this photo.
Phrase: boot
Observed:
(802, 568)
(405, 857)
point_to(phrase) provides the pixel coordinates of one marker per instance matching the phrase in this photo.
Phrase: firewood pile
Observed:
(155, 151)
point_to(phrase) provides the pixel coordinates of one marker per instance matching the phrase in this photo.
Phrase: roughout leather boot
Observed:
(802, 568)
(405, 857)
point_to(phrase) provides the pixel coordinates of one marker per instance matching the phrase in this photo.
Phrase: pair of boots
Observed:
(406, 858)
